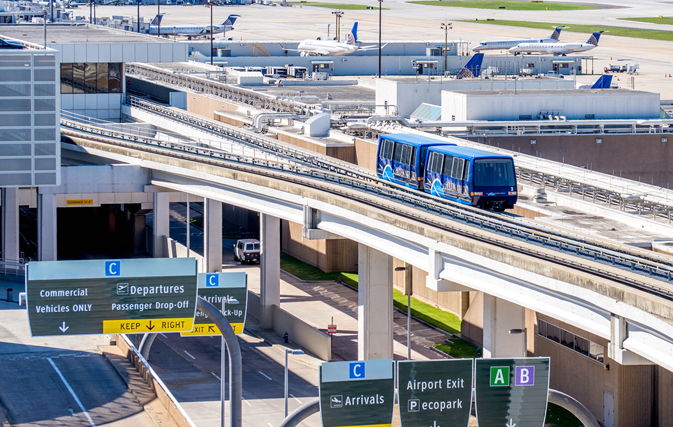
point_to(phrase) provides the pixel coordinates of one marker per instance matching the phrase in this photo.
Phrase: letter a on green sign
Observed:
(499, 376)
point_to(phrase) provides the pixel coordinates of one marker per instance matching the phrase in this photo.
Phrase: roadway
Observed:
(61, 381)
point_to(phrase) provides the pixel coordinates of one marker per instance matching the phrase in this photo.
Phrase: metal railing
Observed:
(499, 230)
(11, 267)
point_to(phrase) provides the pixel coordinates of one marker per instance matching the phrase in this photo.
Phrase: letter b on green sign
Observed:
(499, 376)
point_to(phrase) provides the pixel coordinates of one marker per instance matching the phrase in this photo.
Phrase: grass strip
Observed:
(506, 4)
(559, 417)
(665, 20)
(586, 29)
(343, 6)
(458, 348)
(310, 273)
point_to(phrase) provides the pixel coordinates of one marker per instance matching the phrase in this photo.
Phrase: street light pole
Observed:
(138, 15)
(338, 14)
(287, 388)
(380, 2)
(523, 331)
(211, 31)
(158, 18)
(407, 280)
(446, 26)
(223, 383)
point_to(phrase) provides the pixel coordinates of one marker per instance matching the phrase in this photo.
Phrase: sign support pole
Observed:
(235, 362)
(223, 383)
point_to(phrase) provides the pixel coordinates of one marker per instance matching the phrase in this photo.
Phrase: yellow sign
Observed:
(145, 325)
(211, 329)
(79, 202)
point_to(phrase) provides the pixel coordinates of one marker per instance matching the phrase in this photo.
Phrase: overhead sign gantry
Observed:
(111, 296)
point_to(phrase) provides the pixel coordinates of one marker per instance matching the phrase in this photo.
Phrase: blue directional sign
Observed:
(357, 393)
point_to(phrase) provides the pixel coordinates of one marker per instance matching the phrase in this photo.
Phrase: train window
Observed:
(448, 165)
(461, 168)
(466, 170)
(397, 156)
(406, 154)
(387, 149)
(436, 163)
(456, 166)
(494, 173)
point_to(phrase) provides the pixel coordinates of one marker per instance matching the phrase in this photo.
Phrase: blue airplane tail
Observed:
(594, 38)
(557, 33)
(472, 68)
(157, 19)
(353, 36)
(231, 19)
(603, 82)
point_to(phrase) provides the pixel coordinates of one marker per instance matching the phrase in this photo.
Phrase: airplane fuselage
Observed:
(187, 30)
(508, 44)
(325, 48)
(553, 48)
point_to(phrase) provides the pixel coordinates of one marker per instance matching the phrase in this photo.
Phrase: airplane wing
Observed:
(286, 48)
(372, 47)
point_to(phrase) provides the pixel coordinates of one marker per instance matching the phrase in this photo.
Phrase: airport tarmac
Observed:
(403, 21)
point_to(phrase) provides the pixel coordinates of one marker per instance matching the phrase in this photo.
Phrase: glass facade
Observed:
(29, 118)
(573, 342)
(91, 78)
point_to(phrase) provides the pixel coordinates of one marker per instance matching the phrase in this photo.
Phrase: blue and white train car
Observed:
(471, 176)
(401, 158)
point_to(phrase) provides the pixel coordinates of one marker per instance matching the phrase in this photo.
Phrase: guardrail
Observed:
(13, 267)
(367, 185)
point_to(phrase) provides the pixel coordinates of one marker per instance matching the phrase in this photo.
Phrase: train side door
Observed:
(402, 161)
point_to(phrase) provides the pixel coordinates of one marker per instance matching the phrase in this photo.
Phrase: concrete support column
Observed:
(375, 304)
(212, 238)
(500, 317)
(10, 223)
(160, 222)
(46, 227)
(269, 281)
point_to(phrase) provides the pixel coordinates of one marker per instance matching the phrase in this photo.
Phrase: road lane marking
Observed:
(215, 375)
(72, 392)
(292, 395)
(189, 354)
(246, 401)
(270, 425)
(163, 335)
(265, 375)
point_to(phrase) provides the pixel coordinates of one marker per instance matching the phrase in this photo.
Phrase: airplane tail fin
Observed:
(353, 36)
(603, 82)
(557, 33)
(231, 19)
(594, 38)
(472, 68)
(157, 19)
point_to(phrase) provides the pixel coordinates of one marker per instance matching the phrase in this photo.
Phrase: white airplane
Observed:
(508, 44)
(558, 48)
(190, 30)
(330, 47)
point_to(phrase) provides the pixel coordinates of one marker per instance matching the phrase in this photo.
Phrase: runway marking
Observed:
(215, 375)
(189, 354)
(292, 395)
(72, 392)
(265, 375)
(246, 401)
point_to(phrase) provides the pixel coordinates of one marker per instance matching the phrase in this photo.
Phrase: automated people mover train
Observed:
(464, 175)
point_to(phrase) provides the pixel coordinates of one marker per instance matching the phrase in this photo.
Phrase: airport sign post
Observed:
(357, 393)
(435, 392)
(111, 296)
(512, 392)
(216, 288)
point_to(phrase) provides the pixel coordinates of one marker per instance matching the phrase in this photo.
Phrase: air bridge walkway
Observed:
(594, 286)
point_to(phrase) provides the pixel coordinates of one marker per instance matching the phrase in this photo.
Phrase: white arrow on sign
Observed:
(511, 424)
(64, 328)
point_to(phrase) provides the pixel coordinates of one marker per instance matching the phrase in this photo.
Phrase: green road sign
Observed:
(357, 394)
(435, 393)
(215, 287)
(111, 296)
(512, 392)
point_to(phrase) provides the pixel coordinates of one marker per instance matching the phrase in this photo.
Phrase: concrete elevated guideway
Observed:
(515, 280)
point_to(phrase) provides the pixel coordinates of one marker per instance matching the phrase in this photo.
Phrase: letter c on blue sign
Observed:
(212, 280)
(112, 268)
(357, 370)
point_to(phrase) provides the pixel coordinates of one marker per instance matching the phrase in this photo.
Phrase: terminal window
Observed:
(91, 78)
(574, 342)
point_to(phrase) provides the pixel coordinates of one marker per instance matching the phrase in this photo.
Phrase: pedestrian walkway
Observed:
(322, 303)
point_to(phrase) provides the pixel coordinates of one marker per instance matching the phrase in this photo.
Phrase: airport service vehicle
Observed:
(247, 250)
(464, 175)
(190, 30)
(558, 48)
(508, 44)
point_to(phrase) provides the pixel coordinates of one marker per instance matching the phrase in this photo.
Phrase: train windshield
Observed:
(494, 173)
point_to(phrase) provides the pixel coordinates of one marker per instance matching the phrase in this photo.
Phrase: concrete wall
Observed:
(641, 157)
(365, 153)
(573, 104)
(299, 332)
(340, 151)
(205, 106)
(333, 255)
(174, 249)
(408, 94)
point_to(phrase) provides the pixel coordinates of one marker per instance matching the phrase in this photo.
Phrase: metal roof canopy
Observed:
(563, 61)
(322, 62)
